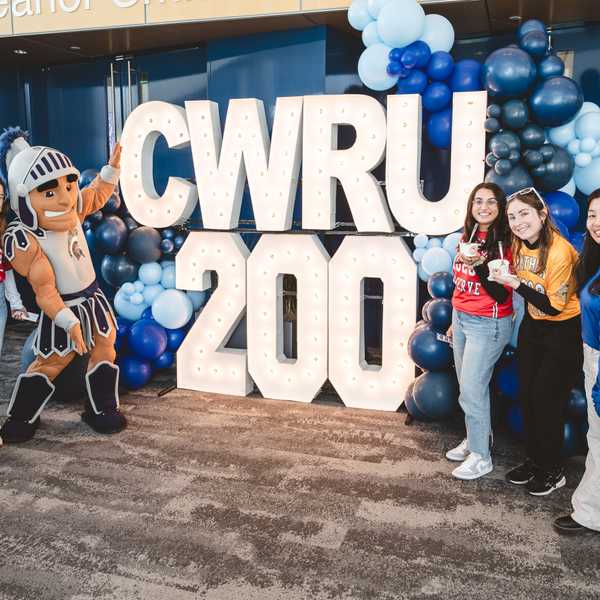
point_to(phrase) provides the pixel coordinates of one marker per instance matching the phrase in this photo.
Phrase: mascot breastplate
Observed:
(69, 256)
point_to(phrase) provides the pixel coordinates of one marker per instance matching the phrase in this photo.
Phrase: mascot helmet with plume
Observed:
(26, 167)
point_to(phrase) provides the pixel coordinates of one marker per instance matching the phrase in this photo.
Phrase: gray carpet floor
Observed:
(216, 497)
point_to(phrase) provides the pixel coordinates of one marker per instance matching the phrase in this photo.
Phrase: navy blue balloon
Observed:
(436, 395)
(514, 156)
(571, 444)
(516, 180)
(490, 159)
(547, 152)
(134, 373)
(466, 76)
(395, 54)
(500, 149)
(532, 136)
(143, 245)
(147, 314)
(440, 285)
(530, 25)
(535, 43)
(439, 128)
(414, 83)
(147, 339)
(96, 217)
(178, 241)
(175, 338)
(439, 314)
(507, 379)
(551, 66)
(123, 326)
(118, 269)
(508, 73)
(564, 207)
(395, 68)
(113, 204)
(131, 223)
(428, 352)
(440, 67)
(502, 139)
(515, 114)
(577, 405)
(436, 96)
(164, 361)
(167, 246)
(503, 166)
(86, 177)
(494, 110)
(557, 171)
(411, 406)
(562, 228)
(425, 309)
(167, 234)
(533, 158)
(492, 125)
(111, 235)
(514, 420)
(555, 101)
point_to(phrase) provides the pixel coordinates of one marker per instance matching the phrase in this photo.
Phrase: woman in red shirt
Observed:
(481, 323)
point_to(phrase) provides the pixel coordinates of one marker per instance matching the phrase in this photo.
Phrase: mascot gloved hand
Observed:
(47, 246)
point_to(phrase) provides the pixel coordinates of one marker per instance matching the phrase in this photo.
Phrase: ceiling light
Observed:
(74, 47)
(515, 18)
(20, 51)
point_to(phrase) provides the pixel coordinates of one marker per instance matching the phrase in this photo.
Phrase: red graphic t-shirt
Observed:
(469, 294)
(4, 266)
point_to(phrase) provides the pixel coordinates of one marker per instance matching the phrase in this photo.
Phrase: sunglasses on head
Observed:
(524, 192)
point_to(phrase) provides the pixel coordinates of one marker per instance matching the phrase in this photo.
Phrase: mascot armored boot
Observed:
(47, 246)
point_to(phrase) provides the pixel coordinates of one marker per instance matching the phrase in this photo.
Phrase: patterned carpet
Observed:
(216, 497)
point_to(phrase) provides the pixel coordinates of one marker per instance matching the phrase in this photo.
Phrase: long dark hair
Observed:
(589, 260)
(547, 233)
(498, 231)
(3, 208)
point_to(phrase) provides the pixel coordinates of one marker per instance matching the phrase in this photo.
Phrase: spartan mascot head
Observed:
(42, 183)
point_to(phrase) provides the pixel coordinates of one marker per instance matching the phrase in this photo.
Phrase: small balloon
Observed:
(492, 125)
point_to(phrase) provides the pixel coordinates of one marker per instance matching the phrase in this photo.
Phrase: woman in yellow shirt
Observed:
(549, 348)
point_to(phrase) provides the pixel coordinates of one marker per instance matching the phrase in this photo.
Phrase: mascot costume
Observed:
(47, 246)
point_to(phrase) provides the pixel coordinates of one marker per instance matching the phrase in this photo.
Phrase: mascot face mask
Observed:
(55, 203)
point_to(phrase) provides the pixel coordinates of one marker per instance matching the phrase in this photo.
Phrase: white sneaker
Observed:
(460, 453)
(474, 467)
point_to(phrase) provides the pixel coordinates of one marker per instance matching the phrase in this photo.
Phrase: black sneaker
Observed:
(545, 482)
(523, 473)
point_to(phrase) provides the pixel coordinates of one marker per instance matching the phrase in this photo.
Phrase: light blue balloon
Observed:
(150, 273)
(418, 254)
(372, 68)
(574, 147)
(436, 260)
(167, 263)
(588, 144)
(588, 125)
(168, 277)
(421, 240)
(401, 22)
(198, 299)
(139, 286)
(127, 288)
(583, 159)
(438, 33)
(125, 308)
(172, 309)
(570, 188)
(151, 292)
(451, 242)
(358, 14)
(587, 179)
(434, 243)
(596, 151)
(586, 108)
(374, 7)
(370, 35)
(561, 136)
(136, 298)
(423, 276)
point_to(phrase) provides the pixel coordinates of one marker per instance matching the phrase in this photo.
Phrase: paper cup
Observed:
(469, 249)
(500, 265)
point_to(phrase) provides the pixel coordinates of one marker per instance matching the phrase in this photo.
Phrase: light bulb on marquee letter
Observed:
(323, 163)
(143, 127)
(403, 162)
(203, 363)
(222, 162)
(359, 384)
(275, 375)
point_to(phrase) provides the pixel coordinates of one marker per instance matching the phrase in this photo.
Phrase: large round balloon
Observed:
(439, 314)
(125, 308)
(436, 97)
(375, 6)
(504, 138)
(551, 66)
(556, 172)
(563, 207)
(516, 180)
(421, 52)
(438, 33)
(440, 285)
(466, 76)
(147, 339)
(164, 361)
(409, 402)
(401, 22)
(436, 395)
(509, 73)
(372, 68)
(175, 338)
(134, 373)
(587, 125)
(555, 101)
(143, 245)
(358, 14)
(439, 128)
(172, 309)
(588, 178)
(535, 43)
(528, 26)
(440, 67)
(532, 136)
(111, 235)
(428, 352)
(414, 83)
(435, 260)
(150, 273)
(515, 114)
(117, 270)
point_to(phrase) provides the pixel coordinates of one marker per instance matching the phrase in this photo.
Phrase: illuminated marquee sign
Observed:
(330, 290)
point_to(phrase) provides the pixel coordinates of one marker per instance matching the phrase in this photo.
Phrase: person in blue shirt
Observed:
(586, 499)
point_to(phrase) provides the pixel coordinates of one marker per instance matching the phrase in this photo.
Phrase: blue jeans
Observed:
(27, 354)
(3, 315)
(477, 344)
